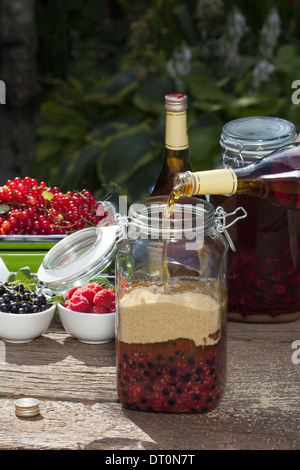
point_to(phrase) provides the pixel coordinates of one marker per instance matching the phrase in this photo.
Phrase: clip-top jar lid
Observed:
(258, 134)
(78, 257)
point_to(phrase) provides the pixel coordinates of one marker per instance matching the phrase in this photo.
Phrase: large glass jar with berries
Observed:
(171, 299)
(264, 272)
(171, 289)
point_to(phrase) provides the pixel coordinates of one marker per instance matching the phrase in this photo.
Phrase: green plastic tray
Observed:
(18, 251)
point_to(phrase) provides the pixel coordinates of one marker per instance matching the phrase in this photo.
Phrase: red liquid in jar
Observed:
(264, 272)
(174, 376)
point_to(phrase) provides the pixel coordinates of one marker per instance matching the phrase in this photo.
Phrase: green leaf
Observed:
(23, 276)
(204, 89)
(47, 195)
(204, 143)
(103, 281)
(125, 153)
(112, 188)
(4, 208)
(56, 299)
(28, 283)
(186, 22)
(57, 113)
(76, 163)
(116, 89)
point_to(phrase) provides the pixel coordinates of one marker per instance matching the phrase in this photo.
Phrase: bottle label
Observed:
(221, 181)
(176, 131)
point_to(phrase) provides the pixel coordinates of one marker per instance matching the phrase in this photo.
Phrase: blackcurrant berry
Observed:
(16, 297)
(26, 307)
(14, 307)
(6, 297)
(19, 288)
(41, 298)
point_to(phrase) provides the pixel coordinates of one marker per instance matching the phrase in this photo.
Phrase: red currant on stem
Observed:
(6, 225)
(32, 201)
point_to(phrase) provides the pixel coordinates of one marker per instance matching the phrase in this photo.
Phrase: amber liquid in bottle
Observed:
(263, 280)
(275, 178)
(176, 156)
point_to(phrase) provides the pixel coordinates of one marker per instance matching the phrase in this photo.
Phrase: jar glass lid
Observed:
(78, 257)
(260, 133)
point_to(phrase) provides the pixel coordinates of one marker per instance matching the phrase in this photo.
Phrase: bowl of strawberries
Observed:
(88, 312)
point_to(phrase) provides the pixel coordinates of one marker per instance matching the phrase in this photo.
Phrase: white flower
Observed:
(269, 35)
(261, 72)
(229, 42)
(179, 64)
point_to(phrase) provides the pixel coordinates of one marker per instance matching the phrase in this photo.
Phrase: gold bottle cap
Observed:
(27, 407)
(176, 102)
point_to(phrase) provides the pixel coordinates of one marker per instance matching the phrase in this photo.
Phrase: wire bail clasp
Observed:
(122, 223)
(221, 226)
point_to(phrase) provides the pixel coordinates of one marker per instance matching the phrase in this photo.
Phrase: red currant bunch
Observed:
(29, 207)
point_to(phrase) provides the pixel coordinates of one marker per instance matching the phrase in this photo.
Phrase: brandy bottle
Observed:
(275, 178)
(176, 154)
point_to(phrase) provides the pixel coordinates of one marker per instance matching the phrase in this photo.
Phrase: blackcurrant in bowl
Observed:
(22, 317)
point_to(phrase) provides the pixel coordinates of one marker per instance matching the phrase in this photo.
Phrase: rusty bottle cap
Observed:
(27, 407)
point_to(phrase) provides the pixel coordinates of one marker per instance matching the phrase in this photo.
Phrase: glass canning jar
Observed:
(171, 299)
(264, 272)
(171, 284)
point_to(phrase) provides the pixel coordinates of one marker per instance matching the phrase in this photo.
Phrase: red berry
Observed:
(79, 304)
(71, 291)
(6, 225)
(95, 287)
(99, 309)
(105, 297)
(32, 201)
(89, 294)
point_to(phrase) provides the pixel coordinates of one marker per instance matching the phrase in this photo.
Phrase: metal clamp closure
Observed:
(122, 223)
(220, 222)
(233, 153)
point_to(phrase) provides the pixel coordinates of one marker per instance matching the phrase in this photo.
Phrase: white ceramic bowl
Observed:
(22, 328)
(91, 328)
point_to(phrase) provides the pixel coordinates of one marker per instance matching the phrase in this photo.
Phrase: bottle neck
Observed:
(176, 137)
(220, 181)
(176, 157)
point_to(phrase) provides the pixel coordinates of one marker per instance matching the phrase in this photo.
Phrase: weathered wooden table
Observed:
(80, 410)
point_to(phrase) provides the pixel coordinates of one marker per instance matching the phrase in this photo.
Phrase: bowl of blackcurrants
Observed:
(25, 314)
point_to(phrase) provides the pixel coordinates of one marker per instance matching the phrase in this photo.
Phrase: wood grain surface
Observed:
(79, 407)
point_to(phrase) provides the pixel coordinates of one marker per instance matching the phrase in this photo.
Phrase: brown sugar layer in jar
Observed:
(173, 376)
(147, 315)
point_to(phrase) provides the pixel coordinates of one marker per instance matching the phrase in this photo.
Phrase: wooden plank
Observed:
(80, 409)
(57, 366)
(70, 425)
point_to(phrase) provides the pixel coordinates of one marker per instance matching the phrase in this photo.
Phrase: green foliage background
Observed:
(105, 68)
